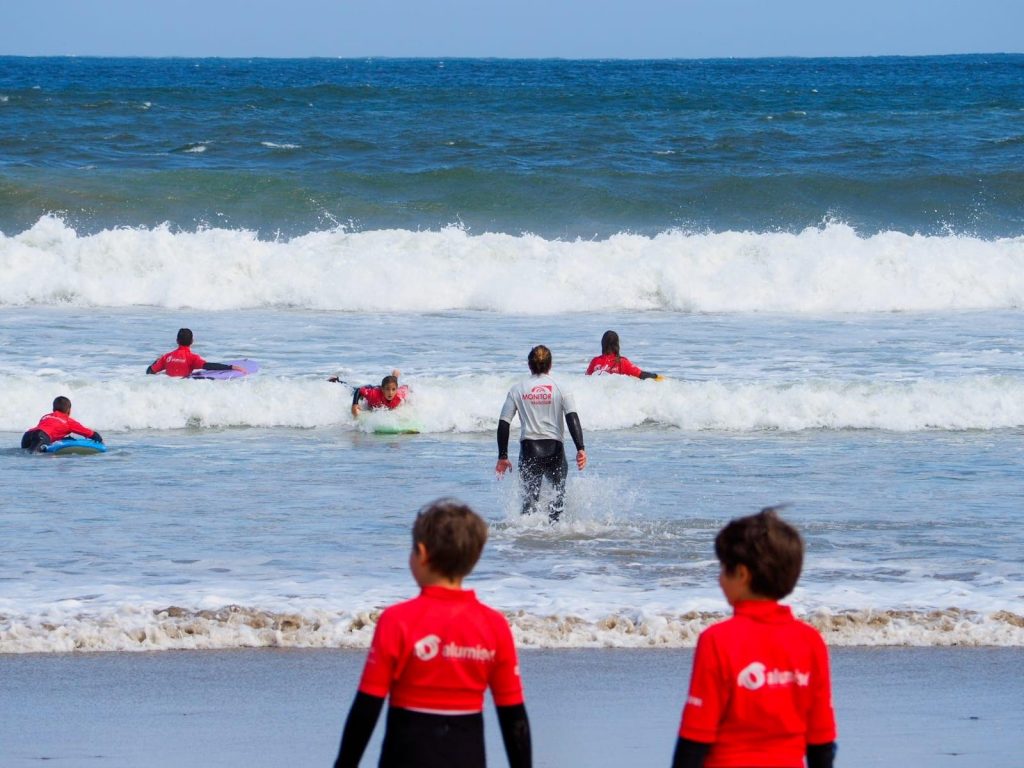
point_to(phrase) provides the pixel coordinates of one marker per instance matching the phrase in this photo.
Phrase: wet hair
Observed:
(610, 344)
(389, 380)
(62, 404)
(539, 359)
(185, 337)
(768, 546)
(453, 535)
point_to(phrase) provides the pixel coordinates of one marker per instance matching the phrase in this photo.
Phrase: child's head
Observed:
(62, 404)
(539, 359)
(453, 536)
(389, 386)
(184, 337)
(610, 343)
(768, 547)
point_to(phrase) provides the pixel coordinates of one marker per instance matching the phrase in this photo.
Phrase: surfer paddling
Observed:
(181, 362)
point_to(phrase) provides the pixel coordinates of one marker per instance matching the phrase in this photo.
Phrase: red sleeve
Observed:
(707, 697)
(506, 684)
(382, 660)
(79, 429)
(197, 362)
(627, 368)
(159, 364)
(821, 721)
(402, 393)
(592, 366)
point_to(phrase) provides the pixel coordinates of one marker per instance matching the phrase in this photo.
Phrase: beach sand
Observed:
(911, 707)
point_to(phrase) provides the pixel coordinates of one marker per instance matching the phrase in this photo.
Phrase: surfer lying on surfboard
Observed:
(56, 426)
(182, 361)
(611, 361)
(388, 395)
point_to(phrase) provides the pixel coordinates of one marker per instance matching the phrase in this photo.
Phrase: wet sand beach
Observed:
(912, 707)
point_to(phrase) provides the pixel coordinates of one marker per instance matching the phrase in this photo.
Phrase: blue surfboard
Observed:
(74, 446)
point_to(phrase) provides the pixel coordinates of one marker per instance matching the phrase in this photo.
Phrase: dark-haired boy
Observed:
(542, 406)
(435, 656)
(759, 692)
(56, 426)
(181, 362)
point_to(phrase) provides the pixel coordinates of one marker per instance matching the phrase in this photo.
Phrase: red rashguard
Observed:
(180, 363)
(760, 690)
(439, 652)
(613, 364)
(58, 425)
(374, 397)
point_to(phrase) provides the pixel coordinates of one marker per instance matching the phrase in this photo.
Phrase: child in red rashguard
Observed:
(434, 656)
(760, 692)
(181, 362)
(388, 395)
(611, 360)
(56, 426)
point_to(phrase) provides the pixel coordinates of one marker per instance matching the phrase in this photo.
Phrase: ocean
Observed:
(824, 258)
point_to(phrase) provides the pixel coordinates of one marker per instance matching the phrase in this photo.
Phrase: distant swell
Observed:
(819, 270)
(234, 626)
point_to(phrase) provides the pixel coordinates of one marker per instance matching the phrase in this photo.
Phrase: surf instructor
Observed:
(542, 406)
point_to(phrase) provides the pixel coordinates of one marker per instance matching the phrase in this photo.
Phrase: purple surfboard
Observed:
(250, 366)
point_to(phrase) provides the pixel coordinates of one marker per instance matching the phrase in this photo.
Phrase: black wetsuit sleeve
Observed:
(690, 754)
(96, 436)
(648, 375)
(503, 432)
(358, 729)
(572, 420)
(515, 732)
(216, 367)
(821, 755)
(149, 369)
(355, 396)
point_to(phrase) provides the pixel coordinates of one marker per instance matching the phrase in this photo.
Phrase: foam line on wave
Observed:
(826, 269)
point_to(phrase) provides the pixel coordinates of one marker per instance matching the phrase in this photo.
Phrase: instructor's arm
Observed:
(503, 465)
(572, 420)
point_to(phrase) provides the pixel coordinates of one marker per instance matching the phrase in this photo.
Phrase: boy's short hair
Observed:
(768, 546)
(453, 535)
(62, 404)
(539, 359)
(389, 380)
(185, 337)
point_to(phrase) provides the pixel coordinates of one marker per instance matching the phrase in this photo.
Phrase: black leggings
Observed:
(34, 440)
(540, 459)
(419, 740)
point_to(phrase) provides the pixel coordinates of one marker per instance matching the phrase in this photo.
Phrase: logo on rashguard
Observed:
(755, 675)
(542, 394)
(430, 646)
(427, 648)
(751, 676)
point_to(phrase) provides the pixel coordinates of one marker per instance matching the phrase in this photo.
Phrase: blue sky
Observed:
(510, 28)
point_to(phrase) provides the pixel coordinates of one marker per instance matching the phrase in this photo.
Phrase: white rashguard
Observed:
(541, 405)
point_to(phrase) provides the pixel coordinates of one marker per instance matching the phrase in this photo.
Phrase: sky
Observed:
(630, 29)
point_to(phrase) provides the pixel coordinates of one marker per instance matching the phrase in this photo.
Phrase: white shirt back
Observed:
(541, 405)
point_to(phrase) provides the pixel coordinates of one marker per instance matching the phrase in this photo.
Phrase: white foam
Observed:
(471, 403)
(159, 628)
(827, 269)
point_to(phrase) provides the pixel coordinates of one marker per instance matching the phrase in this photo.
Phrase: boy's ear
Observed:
(743, 574)
(421, 553)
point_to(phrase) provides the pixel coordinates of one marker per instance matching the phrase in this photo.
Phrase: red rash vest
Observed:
(760, 689)
(439, 652)
(374, 397)
(613, 364)
(179, 363)
(58, 425)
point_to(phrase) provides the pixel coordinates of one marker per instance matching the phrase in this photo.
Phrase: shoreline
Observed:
(915, 707)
